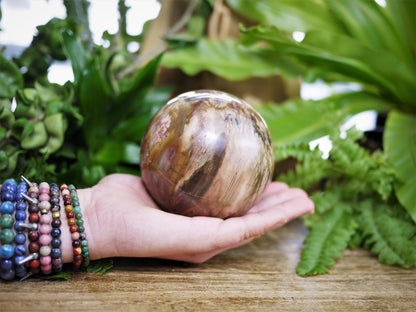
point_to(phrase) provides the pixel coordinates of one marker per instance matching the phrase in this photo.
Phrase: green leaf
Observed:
(303, 121)
(4, 160)
(230, 60)
(326, 241)
(94, 100)
(367, 22)
(400, 146)
(66, 276)
(55, 126)
(10, 78)
(114, 152)
(134, 92)
(36, 137)
(333, 55)
(403, 15)
(289, 15)
(100, 266)
(133, 128)
(76, 53)
(392, 238)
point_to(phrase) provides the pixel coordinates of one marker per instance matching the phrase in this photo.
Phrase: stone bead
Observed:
(34, 217)
(65, 192)
(45, 219)
(45, 250)
(6, 264)
(10, 181)
(34, 247)
(45, 260)
(56, 242)
(55, 208)
(80, 223)
(44, 206)
(44, 185)
(54, 200)
(77, 251)
(77, 209)
(7, 275)
(71, 221)
(6, 251)
(82, 236)
(45, 239)
(6, 221)
(20, 250)
(33, 236)
(44, 229)
(56, 252)
(44, 197)
(20, 215)
(46, 269)
(56, 261)
(56, 223)
(33, 189)
(20, 238)
(55, 232)
(7, 196)
(70, 214)
(6, 236)
(20, 270)
(21, 205)
(76, 243)
(75, 235)
(18, 259)
(6, 207)
(54, 192)
(69, 208)
(73, 228)
(81, 228)
(33, 209)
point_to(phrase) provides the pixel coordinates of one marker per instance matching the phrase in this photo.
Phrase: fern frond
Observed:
(389, 235)
(349, 159)
(326, 241)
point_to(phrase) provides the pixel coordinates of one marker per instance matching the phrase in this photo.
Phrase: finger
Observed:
(235, 230)
(275, 187)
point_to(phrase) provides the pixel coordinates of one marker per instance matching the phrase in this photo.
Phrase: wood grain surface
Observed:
(257, 277)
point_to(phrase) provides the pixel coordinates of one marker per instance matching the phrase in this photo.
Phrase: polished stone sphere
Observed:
(206, 153)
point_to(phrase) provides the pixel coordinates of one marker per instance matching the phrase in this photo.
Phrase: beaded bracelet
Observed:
(45, 229)
(33, 226)
(80, 224)
(56, 253)
(73, 228)
(8, 192)
(20, 237)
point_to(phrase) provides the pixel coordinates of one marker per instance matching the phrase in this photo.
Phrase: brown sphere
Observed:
(206, 153)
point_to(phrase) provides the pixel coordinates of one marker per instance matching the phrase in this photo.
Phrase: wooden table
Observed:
(257, 277)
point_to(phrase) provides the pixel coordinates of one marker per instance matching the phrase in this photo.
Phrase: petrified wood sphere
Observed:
(206, 153)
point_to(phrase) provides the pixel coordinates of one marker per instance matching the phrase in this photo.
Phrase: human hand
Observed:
(122, 220)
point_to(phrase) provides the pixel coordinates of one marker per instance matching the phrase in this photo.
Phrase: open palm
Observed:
(126, 222)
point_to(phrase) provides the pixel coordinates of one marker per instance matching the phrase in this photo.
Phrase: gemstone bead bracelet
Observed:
(30, 221)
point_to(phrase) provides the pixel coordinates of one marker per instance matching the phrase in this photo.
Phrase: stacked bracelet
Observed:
(35, 215)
